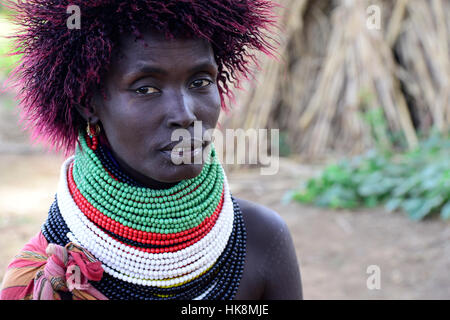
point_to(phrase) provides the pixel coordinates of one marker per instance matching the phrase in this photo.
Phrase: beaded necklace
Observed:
(185, 242)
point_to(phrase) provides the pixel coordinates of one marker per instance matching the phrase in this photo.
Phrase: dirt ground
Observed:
(334, 247)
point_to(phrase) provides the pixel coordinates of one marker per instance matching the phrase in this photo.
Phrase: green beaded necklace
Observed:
(182, 207)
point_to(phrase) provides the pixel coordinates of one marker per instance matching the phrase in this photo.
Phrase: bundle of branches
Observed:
(423, 53)
(335, 68)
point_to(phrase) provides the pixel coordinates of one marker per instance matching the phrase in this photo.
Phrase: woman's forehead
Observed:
(154, 49)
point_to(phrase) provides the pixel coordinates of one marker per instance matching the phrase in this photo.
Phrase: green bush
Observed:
(417, 182)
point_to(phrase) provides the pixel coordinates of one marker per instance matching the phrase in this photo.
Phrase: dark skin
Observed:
(140, 113)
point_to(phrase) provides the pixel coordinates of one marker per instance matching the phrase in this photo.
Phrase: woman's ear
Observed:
(89, 112)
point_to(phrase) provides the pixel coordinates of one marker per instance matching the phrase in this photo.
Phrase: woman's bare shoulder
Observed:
(271, 251)
(261, 218)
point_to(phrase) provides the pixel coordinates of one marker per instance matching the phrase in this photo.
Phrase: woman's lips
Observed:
(185, 151)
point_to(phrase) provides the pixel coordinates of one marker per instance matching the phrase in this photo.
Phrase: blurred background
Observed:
(361, 96)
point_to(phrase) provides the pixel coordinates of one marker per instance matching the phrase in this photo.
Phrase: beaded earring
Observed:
(92, 134)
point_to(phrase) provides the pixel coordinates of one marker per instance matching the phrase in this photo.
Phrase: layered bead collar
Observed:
(186, 242)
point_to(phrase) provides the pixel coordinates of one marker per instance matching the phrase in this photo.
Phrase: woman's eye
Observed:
(200, 83)
(146, 90)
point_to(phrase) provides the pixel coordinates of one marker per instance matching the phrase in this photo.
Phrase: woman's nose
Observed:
(181, 112)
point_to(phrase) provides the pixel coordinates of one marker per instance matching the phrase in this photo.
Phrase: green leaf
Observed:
(412, 204)
(305, 197)
(406, 186)
(287, 197)
(445, 212)
(424, 208)
(393, 204)
(371, 202)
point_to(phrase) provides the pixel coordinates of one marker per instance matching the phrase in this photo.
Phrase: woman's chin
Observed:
(173, 173)
(185, 171)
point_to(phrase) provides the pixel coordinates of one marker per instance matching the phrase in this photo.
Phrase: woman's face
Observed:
(152, 91)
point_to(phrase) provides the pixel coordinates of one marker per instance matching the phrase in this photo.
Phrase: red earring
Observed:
(92, 136)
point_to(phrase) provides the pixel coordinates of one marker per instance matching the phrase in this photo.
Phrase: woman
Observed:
(127, 222)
